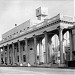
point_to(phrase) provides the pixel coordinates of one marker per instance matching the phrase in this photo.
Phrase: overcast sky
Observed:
(18, 11)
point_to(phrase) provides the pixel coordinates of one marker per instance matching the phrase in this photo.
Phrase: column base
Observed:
(61, 65)
(14, 64)
(8, 64)
(4, 64)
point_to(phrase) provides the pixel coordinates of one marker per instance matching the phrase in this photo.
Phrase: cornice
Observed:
(39, 28)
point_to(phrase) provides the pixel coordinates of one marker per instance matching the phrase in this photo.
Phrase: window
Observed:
(24, 58)
(18, 58)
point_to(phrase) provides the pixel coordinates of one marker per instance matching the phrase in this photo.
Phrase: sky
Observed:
(18, 11)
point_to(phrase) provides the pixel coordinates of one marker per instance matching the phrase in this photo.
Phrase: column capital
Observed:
(34, 36)
(12, 43)
(45, 32)
(25, 38)
(60, 27)
(3, 46)
(7, 44)
(18, 40)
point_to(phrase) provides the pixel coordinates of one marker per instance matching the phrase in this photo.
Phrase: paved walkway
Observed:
(35, 71)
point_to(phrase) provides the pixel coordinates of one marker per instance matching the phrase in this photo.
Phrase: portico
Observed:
(34, 46)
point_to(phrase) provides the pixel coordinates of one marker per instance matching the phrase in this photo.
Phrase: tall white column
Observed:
(40, 51)
(71, 43)
(61, 45)
(13, 54)
(8, 54)
(19, 51)
(46, 47)
(35, 49)
(15, 47)
(27, 51)
(50, 51)
(4, 54)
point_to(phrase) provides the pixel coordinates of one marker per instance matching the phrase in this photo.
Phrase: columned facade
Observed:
(35, 47)
(19, 53)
